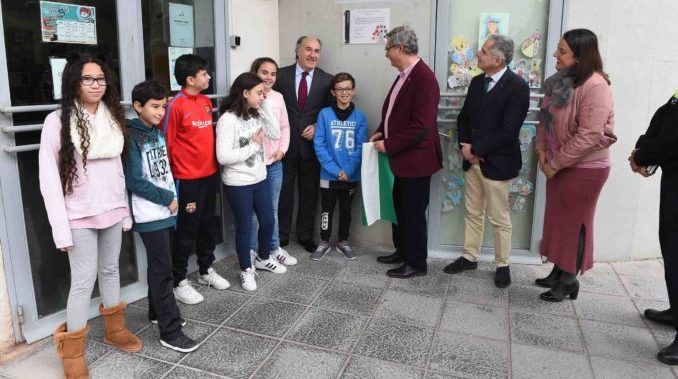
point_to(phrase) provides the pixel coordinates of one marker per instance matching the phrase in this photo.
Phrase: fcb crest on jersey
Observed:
(208, 110)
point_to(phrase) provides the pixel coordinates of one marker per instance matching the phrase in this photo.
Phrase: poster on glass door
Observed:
(366, 25)
(181, 25)
(68, 23)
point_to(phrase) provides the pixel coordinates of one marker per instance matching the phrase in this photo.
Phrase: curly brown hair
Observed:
(70, 96)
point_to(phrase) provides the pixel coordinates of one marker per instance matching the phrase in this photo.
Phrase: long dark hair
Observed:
(236, 102)
(584, 45)
(70, 94)
(259, 61)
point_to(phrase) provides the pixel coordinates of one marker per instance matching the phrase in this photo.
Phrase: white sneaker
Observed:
(185, 293)
(283, 257)
(212, 279)
(247, 279)
(271, 265)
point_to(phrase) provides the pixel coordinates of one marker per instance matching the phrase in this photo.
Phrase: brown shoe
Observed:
(115, 331)
(70, 347)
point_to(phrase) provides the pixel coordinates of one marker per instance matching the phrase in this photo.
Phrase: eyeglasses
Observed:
(346, 90)
(89, 80)
(387, 48)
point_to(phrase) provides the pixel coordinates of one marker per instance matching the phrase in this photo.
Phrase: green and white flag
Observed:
(377, 186)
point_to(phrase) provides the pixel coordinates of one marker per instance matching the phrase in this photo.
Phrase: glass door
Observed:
(462, 28)
(37, 36)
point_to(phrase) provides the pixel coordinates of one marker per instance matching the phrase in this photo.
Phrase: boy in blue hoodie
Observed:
(340, 133)
(153, 204)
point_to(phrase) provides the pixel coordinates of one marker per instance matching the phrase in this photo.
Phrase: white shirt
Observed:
(495, 78)
(297, 80)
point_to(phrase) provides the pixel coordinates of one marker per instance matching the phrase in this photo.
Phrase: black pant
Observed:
(309, 177)
(668, 237)
(161, 303)
(196, 225)
(410, 238)
(328, 200)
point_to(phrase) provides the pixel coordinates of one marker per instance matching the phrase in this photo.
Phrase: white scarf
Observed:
(105, 137)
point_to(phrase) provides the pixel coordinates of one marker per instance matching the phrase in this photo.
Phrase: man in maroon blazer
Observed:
(408, 133)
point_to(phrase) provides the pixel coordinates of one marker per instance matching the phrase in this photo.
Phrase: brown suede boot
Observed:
(70, 347)
(115, 331)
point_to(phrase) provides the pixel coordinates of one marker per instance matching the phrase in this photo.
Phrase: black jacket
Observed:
(659, 144)
(491, 124)
(319, 97)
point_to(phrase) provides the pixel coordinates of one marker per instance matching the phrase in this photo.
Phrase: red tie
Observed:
(303, 91)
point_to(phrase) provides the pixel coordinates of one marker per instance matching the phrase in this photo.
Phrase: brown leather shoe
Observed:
(115, 331)
(70, 347)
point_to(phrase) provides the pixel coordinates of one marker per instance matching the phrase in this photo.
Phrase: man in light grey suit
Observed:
(306, 90)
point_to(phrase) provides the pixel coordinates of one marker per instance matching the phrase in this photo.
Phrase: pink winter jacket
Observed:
(580, 126)
(99, 190)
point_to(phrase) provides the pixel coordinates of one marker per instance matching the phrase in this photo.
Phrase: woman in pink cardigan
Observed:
(573, 139)
(83, 186)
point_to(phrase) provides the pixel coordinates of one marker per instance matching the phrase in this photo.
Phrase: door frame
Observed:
(441, 21)
(13, 242)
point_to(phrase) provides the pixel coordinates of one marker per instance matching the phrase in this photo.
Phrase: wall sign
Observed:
(68, 23)
(181, 25)
(366, 26)
(57, 65)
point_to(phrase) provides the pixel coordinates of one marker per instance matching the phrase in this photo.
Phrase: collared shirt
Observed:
(297, 80)
(495, 78)
(402, 77)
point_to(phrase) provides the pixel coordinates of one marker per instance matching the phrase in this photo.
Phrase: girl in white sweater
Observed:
(241, 132)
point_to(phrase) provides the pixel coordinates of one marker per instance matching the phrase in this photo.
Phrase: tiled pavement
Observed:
(338, 318)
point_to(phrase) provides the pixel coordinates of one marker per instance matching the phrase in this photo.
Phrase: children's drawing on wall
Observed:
(462, 64)
(521, 69)
(492, 23)
(534, 80)
(527, 133)
(460, 50)
(530, 47)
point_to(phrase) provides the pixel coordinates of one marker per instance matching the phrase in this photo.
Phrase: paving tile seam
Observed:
(466, 334)
(436, 329)
(635, 304)
(301, 316)
(194, 369)
(366, 325)
(215, 330)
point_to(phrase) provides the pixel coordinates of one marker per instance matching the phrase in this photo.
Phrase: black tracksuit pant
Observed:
(668, 236)
(162, 305)
(328, 201)
(196, 224)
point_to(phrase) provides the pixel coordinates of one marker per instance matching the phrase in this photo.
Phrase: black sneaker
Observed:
(502, 278)
(183, 343)
(155, 321)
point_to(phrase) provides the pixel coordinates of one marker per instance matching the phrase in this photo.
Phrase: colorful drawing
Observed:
(521, 186)
(454, 186)
(527, 133)
(517, 203)
(530, 47)
(461, 74)
(534, 80)
(492, 23)
(379, 33)
(460, 50)
(521, 69)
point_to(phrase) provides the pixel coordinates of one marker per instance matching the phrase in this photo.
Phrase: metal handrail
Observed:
(458, 108)
(51, 107)
(463, 94)
(452, 121)
(21, 148)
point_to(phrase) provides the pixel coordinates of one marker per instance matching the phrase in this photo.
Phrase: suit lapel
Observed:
(500, 86)
(405, 86)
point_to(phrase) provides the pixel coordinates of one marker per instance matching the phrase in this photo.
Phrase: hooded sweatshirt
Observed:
(148, 178)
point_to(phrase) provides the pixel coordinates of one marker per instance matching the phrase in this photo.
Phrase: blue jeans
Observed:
(245, 201)
(274, 174)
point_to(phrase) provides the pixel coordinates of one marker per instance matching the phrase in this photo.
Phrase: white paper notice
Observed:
(181, 25)
(366, 25)
(58, 65)
(173, 53)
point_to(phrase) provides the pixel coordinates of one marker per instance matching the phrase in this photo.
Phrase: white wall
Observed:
(641, 60)
(256, 22)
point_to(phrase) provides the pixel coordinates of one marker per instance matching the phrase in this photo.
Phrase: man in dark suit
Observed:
(408, 133)
(489, 125)
(306, 90)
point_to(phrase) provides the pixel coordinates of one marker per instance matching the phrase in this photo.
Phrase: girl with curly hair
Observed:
(83, 186)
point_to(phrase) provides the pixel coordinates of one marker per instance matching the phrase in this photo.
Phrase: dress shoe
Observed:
(551, 279)
(669, 354)
(308, 245)
(461, 264)
(405, 272)
(502, 278)
(396, 257)
(661, 317)
(561, 291)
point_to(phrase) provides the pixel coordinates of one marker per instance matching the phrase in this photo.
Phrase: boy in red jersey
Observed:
(190, 142)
